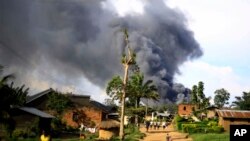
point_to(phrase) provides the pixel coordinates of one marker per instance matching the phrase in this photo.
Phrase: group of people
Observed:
(155, 124)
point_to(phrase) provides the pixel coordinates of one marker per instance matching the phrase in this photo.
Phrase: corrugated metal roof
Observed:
(36, 112)
(35, 96)
(101, 106)
(165, 114)
(233, 113)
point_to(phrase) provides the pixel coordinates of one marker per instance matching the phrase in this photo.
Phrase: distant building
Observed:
(208, 112)
(186, 109)
(233, 117)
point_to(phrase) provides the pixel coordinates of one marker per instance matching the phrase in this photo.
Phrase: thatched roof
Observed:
(107, 124)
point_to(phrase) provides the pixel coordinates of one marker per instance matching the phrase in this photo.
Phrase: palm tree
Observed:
(141, 89)
(4, 79)
(10, 95)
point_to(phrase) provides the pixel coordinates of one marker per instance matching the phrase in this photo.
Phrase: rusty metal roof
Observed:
(233, 113)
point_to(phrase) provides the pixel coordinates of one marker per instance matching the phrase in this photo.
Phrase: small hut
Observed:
(108, 129)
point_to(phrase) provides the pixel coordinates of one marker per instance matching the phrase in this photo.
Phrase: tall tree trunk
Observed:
(146, 112)
(125, 79)
(136, 115)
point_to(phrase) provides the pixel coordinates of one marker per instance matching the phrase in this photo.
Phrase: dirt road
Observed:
(160, 135)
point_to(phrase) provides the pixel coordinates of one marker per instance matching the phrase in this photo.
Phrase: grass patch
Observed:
(211, 137)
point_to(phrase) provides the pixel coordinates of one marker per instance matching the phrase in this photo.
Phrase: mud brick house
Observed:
(208, 112)
(233, 117)
(186, 109)
(85, 110)
(211, 111)
(26, 117)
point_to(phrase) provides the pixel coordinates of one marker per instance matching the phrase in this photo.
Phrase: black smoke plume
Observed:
(64, 41)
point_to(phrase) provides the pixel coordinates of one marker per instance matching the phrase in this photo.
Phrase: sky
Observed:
(219, 26)
(222, 30)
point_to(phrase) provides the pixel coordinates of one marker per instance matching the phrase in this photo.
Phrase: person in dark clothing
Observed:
(147, 125)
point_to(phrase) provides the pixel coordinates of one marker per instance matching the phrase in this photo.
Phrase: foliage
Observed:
(139, 89)
(198, 97)
(11, 96)
(212, 123)
(178, 118)
(210, 137)
(109, 102)
(114, 88)
(243, 102)
(57, 126)
(58, 102)
(194, 98)
(80, 117)
(221, 97)
(200, 128)
(18, 133)
(9, 125)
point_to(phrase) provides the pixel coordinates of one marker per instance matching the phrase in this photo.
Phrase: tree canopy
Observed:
(58, 102)
(243, 102)
(221, 97)
(198, 97)
(10, 95)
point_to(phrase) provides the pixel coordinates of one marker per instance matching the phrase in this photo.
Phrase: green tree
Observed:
(194, 98)
(201, 95)
(58, 102)
(141, 89)
(109, 102)
(198, 97)
(11, 96)
(114, 88)
(243, 102)
(221, 97)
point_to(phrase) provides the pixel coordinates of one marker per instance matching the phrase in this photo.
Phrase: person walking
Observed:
(155, 125)
(147, 125)
(151, 124)
(163, 125)
(158, 125)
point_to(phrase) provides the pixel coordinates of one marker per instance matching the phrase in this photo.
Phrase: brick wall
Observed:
(185, 109)
(91, 113)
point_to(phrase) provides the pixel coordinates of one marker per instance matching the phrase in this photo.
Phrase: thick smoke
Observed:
(64, 41)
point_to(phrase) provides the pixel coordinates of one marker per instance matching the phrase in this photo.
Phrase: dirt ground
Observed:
(160, 135)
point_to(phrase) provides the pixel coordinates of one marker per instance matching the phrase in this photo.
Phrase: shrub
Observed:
(212, 123)
(218, 129)
(178, 118)
(18, 133)
(189, 128)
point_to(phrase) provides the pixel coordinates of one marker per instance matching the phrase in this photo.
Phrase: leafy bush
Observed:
(178, 119)
(218, 129)
(200, 128)
(189, 128)
(57, 126)
(210, 137)
(212, 123)
(18, 133)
